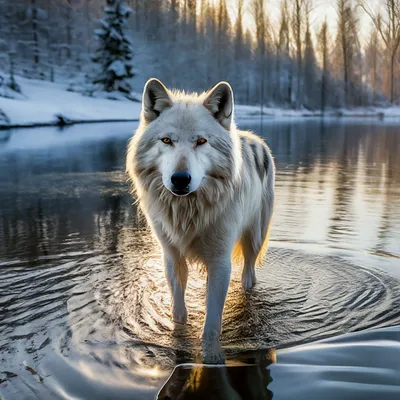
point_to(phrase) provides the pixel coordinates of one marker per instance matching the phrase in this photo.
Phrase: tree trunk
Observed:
(35, 33)
(374, 78)
(392, 60)
(137, 15)
(69, 31)
(345, 72)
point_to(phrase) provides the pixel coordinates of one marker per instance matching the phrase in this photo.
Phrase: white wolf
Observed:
(207, 190)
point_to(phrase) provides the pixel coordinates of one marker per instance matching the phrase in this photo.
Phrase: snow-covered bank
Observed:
(44, 103)
(248, 112)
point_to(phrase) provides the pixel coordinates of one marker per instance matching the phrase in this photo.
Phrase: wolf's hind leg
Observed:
(176, 272)
(250, 257)
(254, 242)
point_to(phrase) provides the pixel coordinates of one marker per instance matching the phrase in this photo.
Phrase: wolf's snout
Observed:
(180, 182)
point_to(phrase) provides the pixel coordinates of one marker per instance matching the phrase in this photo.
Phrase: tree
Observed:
(284, 62)
(323, 50)
(174, 20)
(299, 15)
(347, 46)
(310, 69)
(192, 19)
(223, 37)
(260, 20)
(114, 53)
(372, 56)
(388, 26)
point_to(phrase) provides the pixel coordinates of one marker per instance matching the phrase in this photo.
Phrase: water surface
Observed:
(83, 298)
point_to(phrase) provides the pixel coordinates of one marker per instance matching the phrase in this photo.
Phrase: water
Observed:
(83, 299)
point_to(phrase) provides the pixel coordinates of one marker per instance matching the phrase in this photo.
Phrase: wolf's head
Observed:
(184, 143)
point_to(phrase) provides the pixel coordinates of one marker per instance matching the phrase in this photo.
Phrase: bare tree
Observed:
(310, 63)
(348, 43)
(372, 55)
(239, 36)
(299, 16)
(260, 21)
(323, 50)
(284, 62)
(174, 19)
(192, 19)
(388, 26)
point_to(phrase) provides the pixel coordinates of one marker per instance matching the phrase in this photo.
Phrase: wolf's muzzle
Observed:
(180, 183)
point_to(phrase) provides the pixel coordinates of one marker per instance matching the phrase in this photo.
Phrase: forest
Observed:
(293, 60)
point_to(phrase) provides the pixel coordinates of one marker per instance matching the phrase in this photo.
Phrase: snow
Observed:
(43, 101)
(118, 67)
(251, 112)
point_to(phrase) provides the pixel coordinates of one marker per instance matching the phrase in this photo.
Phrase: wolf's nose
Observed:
(181, 179)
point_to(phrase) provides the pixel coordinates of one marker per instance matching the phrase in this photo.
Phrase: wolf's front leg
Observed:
(219, 273)
(176, 272)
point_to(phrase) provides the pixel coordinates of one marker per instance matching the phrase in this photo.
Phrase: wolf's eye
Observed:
(166, 140)
(201, 141)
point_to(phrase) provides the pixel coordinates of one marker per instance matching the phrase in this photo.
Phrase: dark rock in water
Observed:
(234, 381)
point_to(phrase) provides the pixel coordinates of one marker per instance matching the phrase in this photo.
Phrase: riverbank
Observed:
(44, 103)
(51, 104)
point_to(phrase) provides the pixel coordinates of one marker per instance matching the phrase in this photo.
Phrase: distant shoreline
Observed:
(46, 104)
(62, 121)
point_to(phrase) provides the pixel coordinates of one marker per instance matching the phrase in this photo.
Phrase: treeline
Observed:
(192, 44)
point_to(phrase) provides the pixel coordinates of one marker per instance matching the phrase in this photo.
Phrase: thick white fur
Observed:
(231, 193)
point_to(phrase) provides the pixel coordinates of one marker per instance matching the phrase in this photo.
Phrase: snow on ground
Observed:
(43, 101)
(248, 112)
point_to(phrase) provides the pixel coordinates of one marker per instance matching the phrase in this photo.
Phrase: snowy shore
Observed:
(44, 103)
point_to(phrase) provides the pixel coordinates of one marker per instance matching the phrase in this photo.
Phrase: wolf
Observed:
(207, 191)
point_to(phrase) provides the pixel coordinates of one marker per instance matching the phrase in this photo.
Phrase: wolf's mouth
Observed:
(180, 192)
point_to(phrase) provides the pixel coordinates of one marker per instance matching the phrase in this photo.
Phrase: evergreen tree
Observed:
(114, 53)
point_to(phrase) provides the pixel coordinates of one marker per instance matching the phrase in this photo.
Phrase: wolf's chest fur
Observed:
(183, 220)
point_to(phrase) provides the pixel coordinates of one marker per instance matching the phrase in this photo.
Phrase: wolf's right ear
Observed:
(155, 99)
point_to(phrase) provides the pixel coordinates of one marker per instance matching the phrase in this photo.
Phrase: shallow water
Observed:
(83, 299)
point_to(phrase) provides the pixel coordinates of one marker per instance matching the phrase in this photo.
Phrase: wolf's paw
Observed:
(212, 352)
(248, 280)
(179, 315)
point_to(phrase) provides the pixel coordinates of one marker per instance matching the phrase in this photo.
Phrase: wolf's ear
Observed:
(219, 102)
(155, 99)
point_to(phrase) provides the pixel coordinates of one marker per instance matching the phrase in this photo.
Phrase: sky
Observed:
(322, 9)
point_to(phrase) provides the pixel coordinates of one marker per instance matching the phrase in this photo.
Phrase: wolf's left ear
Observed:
(219, 102)
(155, 99)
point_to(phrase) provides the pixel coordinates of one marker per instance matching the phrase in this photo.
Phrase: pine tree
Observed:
(114, 53)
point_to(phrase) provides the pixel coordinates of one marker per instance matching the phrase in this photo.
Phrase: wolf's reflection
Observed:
(244, 378)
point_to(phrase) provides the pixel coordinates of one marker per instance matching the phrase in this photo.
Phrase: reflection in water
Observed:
(82, 278)
(236, 381)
